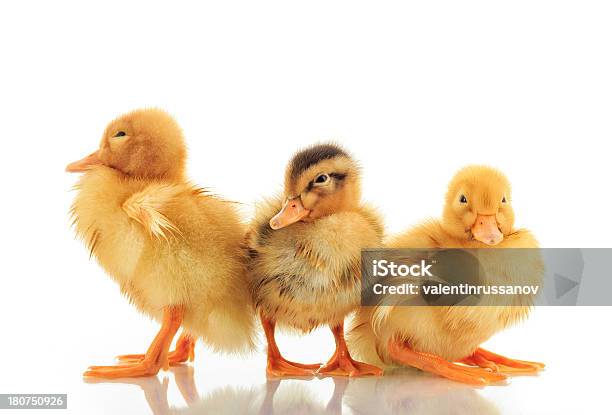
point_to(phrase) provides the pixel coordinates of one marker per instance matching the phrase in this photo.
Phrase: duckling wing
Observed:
(146, 207)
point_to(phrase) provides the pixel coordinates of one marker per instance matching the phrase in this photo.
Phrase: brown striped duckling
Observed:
(305, 256)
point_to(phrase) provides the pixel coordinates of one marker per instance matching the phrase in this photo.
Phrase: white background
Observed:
(414, 91)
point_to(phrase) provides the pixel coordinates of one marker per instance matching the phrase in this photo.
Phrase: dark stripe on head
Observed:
(307, 158)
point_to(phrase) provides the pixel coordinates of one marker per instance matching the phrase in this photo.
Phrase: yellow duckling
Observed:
(175, 251)
(477, 214)
(305, 255)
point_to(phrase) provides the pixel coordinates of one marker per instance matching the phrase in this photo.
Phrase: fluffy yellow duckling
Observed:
(477, 214)
(175, 251)
(305, 255)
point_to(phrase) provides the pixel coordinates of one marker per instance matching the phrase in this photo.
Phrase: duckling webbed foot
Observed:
(342, 364)
(277, 365)
(154, 359)
(184, 352)
(501, 364)
(403, 354)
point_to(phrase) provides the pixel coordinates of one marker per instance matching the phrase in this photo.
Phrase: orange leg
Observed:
(402, 353)
(497, 363)
(154, 359)
(184, 352)
(277, 365)
(342, 364)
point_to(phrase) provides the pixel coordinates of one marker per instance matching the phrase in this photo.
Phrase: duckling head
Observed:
(320, 180)
(478, 205)
(145, 143)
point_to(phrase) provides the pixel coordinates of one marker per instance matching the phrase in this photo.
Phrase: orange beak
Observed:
(84, 164)
(485, 230)
(292, 211)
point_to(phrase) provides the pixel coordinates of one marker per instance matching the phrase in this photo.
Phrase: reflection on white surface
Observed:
(218, 384)
(406, 392)
(396, 393)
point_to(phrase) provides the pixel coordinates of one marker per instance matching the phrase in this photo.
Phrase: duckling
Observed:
(305, 249)
(176, 251)
(477, 214)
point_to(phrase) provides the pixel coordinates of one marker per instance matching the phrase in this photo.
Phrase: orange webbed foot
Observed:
(278, 366)
(402, 353)
(281, 367)
(344, 365)
(156, 357)
(501, 364)
(184, 352)
(144, 368)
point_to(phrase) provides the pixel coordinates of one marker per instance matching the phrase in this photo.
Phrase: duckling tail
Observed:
(231, 328)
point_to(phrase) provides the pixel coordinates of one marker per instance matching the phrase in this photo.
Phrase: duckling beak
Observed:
(293, 210)
(486, 230)
(83, 164)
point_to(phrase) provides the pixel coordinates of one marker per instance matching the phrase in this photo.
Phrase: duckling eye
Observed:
(504, 199)
(322, 178)
(462, 199)
(119, 134)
